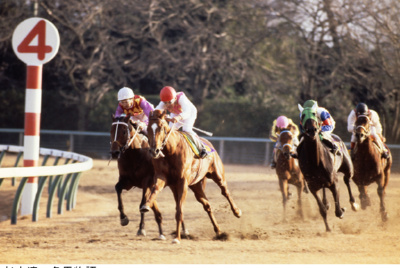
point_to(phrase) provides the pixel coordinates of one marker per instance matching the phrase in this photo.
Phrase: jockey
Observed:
(326, 122)
(134, 105)
(280, 124)
(182, 113)
(376, 127)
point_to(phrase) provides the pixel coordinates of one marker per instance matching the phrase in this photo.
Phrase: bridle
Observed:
(286, 144)
(167, 134)
(129, 140)
(367, 131)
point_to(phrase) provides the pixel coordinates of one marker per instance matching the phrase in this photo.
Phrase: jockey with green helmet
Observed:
(326, 122)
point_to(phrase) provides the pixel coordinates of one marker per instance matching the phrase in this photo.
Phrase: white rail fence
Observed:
(63, 179)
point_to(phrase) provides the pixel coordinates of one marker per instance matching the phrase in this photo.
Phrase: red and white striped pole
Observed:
(35, 41)
(33, 103)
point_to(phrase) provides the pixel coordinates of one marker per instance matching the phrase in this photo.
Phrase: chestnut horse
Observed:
(135, 167)
(320, 167)
(369, 165)
(288, 171)
(176, 166)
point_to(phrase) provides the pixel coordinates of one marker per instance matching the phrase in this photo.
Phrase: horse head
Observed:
(286, 141)
(309, 121)
(158, 132)
(362, 130)
(120, 135)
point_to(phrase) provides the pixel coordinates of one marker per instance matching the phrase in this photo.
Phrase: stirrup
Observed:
(203, 153)
(385, 155)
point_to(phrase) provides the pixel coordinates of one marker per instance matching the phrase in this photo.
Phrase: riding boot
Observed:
(273, 162)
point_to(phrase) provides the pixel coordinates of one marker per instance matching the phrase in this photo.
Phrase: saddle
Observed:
(192, 143)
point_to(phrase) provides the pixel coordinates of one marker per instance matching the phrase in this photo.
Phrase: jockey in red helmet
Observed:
(183, 113)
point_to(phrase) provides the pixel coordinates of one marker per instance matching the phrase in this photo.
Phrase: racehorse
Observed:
(176, 166)
(320, 167)
(369, 165)
(288, 171)
(135, 167)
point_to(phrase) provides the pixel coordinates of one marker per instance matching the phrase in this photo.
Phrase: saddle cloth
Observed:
(192, 144)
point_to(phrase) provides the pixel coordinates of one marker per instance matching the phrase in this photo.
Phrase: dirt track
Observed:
(91, 233)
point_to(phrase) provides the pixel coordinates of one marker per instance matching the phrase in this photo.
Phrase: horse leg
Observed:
(155, 190)
(322, 209)
(158, 217)
(299, 202)
(219, 179)
(354, 205)
(364, 198)
(325, 200)
(201, 198)
(283, 185)
(339, 211)
(123, 218)
(381, 194)
(179, 191)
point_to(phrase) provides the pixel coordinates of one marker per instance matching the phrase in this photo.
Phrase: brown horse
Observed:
(369, 165)
(135, 167)
(320, 167)
(176, 166)
(288, 171)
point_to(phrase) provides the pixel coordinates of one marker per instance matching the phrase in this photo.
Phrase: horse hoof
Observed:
(162, 237)
(343, 210)
(141, 232)
(124, 221)
(238, 213)
(144, 209)
(176, 241)
(355, 206)
(186, 233)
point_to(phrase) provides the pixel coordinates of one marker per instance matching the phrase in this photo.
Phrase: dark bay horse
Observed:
(176, 166)
(288, 171)
(320, 167)
(135, 167)
(369, 165)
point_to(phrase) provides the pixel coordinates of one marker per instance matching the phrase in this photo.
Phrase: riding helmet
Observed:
(282, 121)
(361, 109)
(125, 93)
(167, 94)
(309, 104)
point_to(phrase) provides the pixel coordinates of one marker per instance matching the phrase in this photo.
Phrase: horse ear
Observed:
(151, 113)
(112, 117)
(164, 113)
(315, 106)
(300, 108)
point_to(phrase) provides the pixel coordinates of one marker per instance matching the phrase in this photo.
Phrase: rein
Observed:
(286, 144)
(166, 138)
(130, 139)
(367, 132)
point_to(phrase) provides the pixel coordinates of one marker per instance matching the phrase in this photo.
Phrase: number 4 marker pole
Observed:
(35, 41)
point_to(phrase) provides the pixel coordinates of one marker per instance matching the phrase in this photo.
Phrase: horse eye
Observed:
(313, 114)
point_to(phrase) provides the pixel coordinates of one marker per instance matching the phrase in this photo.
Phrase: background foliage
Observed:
(243, 63)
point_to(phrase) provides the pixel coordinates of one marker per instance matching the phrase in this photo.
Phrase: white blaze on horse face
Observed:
(154, 127)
